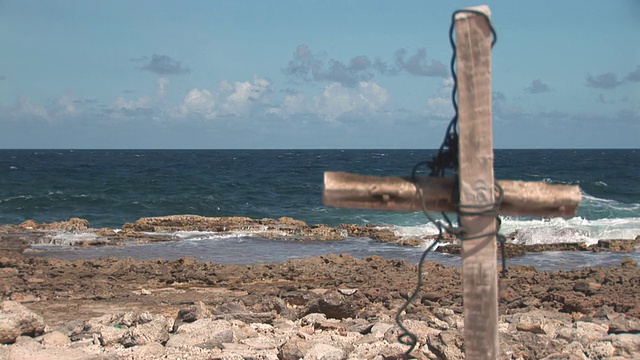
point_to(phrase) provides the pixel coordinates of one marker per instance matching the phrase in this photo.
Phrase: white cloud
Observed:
(62, 107)
(162, 85)
(144, 105)
(246, 96)
(439, 104)
(238, 99)
(197, 102)
(337, 100)
(66, 105)
(291, 105)
(144, 102)
(25, 108)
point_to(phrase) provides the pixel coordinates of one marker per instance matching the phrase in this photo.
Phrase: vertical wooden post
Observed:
(476, 182)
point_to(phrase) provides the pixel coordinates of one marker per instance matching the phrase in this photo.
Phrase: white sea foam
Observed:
(64, 238)
(552, 181)
(10, 198)
(209, 235)
(548, 231)
(576, 229)
(597, 219)
(415, 231)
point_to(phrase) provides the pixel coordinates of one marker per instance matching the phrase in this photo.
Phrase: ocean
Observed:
(112, 187)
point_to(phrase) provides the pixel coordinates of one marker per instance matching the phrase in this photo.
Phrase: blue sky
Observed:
(308, 74)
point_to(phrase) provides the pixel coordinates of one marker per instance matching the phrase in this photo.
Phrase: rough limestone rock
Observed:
(147, 230)
(333, 305)
(55, 339)
(539, 322)
(379, 350)
(151, 328)
(624, 326)
(420, 329)
(627, 345)
(378, 330)
(527, 345)
(574, 351)
(375, 233)
(36, 352)
(324, 352)
(72, 225)
(148, 351)
(108, 335)
(295, 348)
(129, 329)
(190, 314)
(206, 332)
(447, 345)
(14, 243)
(582, 332)
(71, 328)
(600, 350)
(616, 245)
(16, 320)
(272, 228)
(629, 262)
(587, 313)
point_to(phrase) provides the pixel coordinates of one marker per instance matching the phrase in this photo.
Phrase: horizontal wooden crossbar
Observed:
(346, 190)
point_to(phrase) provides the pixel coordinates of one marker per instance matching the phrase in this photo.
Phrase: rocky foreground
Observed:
(332, 307)
(329, 307)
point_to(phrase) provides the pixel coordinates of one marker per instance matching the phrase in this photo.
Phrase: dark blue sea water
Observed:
(111, 187)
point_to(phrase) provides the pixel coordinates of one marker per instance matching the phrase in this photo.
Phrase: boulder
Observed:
(583, 332)
(420, 329)
(207, 333)
(540, 322)
(448, 344)
(109, 335)
(333, 305)
(380, 350)
(324, 352)
(73, 225)
(571, 351)
(55, 339)
(616, 245)
(150, 329)
(600, 350)
(627, 345)
(295, 348)
(39, 353)
(623, 324)
(190, 314)
(16, 320)
(628, 263)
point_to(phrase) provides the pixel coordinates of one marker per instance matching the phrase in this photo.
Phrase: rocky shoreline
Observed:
(158, 229)
(328, 307)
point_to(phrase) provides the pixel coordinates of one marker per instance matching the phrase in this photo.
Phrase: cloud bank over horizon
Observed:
(393, 92)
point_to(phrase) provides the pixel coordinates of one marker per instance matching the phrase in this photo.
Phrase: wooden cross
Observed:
(476, 188)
